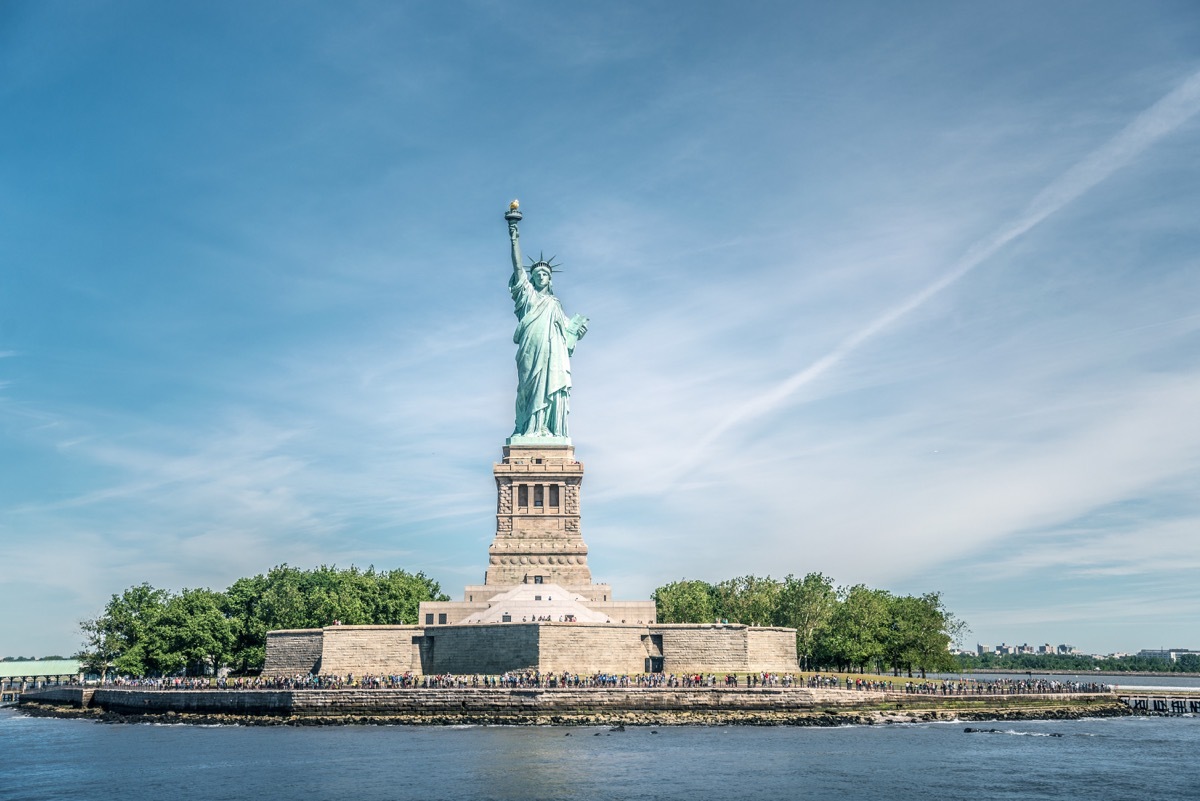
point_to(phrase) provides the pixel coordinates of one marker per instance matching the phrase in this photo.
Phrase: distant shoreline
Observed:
(1014, 671)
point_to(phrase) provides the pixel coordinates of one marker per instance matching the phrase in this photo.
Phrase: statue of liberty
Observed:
(545, 340)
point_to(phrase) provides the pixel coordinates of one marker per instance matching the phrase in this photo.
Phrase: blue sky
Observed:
(902, 293)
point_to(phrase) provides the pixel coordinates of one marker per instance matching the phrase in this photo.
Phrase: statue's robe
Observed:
(543, 360)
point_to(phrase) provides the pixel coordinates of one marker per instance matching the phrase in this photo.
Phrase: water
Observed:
(1094, 759)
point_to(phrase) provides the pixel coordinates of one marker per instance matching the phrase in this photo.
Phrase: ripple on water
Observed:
(1097, 759)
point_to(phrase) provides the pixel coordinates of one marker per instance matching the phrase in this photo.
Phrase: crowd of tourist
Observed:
(1004, 687)
(567, 680)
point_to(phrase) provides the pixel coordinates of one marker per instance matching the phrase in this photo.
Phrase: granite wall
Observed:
(481, 648)
(293, 651)
(584, 648)
(371, 650)
(589, 648)
(772, 649)
(703, 648)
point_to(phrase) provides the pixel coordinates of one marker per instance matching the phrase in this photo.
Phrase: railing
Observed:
(1147, 704)
(648, 681)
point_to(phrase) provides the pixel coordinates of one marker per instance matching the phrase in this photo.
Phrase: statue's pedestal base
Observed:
(537, 517)
(538, 542)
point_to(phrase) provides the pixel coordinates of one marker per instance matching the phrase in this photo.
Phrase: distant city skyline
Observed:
(903, 294)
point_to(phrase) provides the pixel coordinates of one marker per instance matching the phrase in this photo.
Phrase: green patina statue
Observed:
(545, 340)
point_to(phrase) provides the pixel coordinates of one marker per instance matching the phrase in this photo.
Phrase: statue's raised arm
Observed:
(514, 236)
(545, 339)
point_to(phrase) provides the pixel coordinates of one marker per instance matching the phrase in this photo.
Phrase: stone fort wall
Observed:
(483, 649)
(292, 651)
(594, 648)
(772, 647)
(371, 650)
(584, 648)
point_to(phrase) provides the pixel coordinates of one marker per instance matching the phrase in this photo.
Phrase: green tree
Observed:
(747, 599)
(399, 595)
(291, 598)
(145, 631)
(192, 634)
(120, 635)
(919, 634)
(857, 629)
(101, 646)
(243, 607)
(807, 605)
(1188, 663)
(687, 601)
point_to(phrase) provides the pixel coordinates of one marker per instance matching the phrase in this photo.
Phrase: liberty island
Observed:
(539, 641)
(537, 608)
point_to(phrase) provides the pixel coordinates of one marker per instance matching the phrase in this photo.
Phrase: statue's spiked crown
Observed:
(542, 261)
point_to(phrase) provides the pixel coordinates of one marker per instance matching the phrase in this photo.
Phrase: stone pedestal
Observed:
(537, 520)
(538, 554)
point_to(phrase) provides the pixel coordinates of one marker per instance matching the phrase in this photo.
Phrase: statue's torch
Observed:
(513, 215)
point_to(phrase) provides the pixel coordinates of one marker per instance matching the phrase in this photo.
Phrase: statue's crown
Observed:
(542, 261)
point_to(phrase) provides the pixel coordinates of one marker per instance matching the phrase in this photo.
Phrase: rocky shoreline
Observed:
(726, 717)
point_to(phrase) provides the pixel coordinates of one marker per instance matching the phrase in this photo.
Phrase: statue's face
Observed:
(540, 279)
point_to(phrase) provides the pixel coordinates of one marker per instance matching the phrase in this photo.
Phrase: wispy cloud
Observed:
(279, 330)
(1151, 125)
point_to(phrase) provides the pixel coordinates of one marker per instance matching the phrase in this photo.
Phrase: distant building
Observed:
(16, 676)
(1166, 654)
(1004, 649)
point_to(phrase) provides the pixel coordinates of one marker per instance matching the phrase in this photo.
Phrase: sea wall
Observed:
(770, 705)
(1161, 704)
(78, 697)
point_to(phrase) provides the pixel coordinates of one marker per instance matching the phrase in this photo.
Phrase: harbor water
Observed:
(1122, 758)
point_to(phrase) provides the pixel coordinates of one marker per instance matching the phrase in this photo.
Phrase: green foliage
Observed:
(835, 628)
(747, 599)
(146, 631)
(919, 635)
(685, 602)
(807, 605)
(858, 628)
(121, 636)
(1075, 663)
(1188, 663)
(193, 634)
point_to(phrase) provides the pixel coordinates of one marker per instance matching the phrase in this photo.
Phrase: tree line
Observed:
(836, 627)
(145, 631)
(1074, 663)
